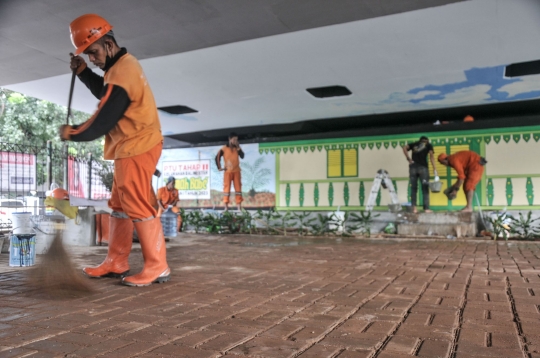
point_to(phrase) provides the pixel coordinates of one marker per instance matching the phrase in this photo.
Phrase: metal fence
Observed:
(27, 172)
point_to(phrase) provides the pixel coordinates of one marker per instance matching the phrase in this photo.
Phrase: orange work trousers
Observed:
(473, 176)
(132, 184)
(102, 228)
(236, 179)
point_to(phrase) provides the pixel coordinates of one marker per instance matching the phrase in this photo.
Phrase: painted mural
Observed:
(200, 184)
(483, 85)
(338, 173)
(327, 174)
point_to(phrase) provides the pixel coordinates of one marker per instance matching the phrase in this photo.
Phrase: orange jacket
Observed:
(463, 161)
(127, 112)
(231, 157)
(167, 197)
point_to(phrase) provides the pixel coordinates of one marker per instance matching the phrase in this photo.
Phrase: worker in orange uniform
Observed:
(469, 167)
(168, 195)
(230, 153)
(128, 117)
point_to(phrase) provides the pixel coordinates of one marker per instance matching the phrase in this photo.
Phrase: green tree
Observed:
(32, 122)
(254, 176)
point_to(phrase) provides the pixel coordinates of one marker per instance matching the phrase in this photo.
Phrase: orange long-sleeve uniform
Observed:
(468, 168)
(127, 116)
(168, 197)
(231, 157)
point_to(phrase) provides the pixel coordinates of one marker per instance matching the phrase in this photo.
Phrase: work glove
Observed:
(436, 175)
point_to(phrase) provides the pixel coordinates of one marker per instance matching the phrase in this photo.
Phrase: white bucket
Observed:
(21, 222)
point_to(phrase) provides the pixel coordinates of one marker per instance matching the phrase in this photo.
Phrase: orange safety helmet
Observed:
(442, 156)
(60, 194)
(87, 29)
(468, 118)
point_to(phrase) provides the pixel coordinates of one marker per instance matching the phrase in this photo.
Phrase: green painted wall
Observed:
(498, 187)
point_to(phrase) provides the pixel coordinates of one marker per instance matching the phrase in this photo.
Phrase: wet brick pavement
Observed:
(251, 296)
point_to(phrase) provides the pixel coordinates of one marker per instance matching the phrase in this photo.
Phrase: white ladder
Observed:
(383, 178)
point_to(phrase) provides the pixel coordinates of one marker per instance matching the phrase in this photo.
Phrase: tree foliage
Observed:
(28, 121)
(31, 121)
(254, 176)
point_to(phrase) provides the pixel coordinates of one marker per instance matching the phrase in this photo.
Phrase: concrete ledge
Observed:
(457, 230)
(456, 224)
(442, 218)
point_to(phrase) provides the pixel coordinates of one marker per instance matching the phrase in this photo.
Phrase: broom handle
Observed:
(72, 86)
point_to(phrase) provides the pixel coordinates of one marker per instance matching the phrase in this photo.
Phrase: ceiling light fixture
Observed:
(178, 109)
(330, 91)
(522, 69)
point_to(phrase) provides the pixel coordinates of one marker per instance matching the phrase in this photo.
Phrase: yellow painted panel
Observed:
(334, 163)
(512, 158)
(303, 166)
(350, 162)
(441, 169)
(458, 148)
(439, 199)
(460, 200)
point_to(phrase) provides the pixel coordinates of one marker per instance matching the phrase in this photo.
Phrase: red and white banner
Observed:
(17, 172)
(80, 183)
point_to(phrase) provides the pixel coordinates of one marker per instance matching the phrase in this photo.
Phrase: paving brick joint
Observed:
(257, 296)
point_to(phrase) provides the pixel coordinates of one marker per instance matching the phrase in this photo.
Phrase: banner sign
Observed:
(79, 184)
(17, 171)
(192, 177)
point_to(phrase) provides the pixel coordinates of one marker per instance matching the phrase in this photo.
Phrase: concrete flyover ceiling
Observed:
(248, 63)
(34, 37)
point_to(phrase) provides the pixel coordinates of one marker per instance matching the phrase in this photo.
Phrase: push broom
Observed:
(55, 275)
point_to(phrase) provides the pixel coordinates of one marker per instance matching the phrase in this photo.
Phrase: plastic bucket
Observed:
(22, 250)
(394, 208)
(22, 223)
(435, 186)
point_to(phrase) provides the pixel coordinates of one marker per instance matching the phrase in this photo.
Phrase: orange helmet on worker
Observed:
(87, 29)
(127, 116)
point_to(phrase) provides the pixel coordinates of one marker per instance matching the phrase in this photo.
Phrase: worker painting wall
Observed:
(326, 174)
(331, 173)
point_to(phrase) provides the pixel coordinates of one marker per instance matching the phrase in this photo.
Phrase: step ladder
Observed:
(382, 178)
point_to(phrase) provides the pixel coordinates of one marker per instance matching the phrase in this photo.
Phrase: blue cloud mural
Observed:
(487, 76)
(481, 86)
